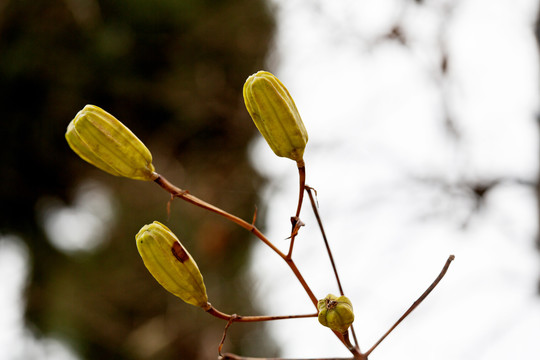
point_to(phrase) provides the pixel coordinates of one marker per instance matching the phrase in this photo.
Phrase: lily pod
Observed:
(171, 264)
(275, 114)
(103, 141)
(336, 312)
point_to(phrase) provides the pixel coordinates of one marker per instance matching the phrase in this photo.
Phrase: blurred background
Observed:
(423, 123)
(72, 280)
(423, 127)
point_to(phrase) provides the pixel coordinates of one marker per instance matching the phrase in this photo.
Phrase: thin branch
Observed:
(296, 272)
(296, 223)
(220, 347)
(228, 356)
(302, 179)
(309, 190)
(416, 303)
(186, 196)
(239, 318)
(353, 348)
(314, 206)
(169, 207)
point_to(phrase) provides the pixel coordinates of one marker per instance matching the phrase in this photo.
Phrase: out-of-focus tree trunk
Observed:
(173, 72)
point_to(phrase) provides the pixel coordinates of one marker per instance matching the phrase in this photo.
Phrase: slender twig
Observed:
(228, 356)
(295, 270)
(416, 303)
(296, 223)
(309, 190)
(348, 341)
(302, 179)
(315, 209)
(169, 207)
(255, 318)
(220, 346)
(186, 196)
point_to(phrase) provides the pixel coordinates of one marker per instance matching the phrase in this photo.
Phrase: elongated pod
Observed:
(274, 113)
(171, 264)
(103, 141)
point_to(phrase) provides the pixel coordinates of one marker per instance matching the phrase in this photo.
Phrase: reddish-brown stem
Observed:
(309, 190)
(296, 219)
(228, 356)
(416, 303)
(184, 195)
(314, 207)
(220, 346)
(353, 348)
(306, 287)
(239, 318)
(302, 179)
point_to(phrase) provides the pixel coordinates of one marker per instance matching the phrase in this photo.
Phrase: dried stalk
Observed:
(416, 303)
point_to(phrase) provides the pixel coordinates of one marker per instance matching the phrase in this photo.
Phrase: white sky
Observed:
(383, 164)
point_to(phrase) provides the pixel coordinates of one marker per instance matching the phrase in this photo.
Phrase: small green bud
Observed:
(336, 312)
(274, 113)
(171, 264)
(103, 141)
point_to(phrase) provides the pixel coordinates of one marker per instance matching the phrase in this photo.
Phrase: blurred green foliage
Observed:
(172, 71)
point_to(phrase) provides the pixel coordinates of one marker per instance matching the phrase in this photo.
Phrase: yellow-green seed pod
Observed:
(274, 113)
(103, 141)
(336, 312)
(170, 264)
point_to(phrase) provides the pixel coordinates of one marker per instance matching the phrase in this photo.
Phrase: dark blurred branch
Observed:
(476, 190)
(537, 185)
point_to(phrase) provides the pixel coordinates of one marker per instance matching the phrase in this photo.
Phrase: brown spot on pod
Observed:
(179, 252)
